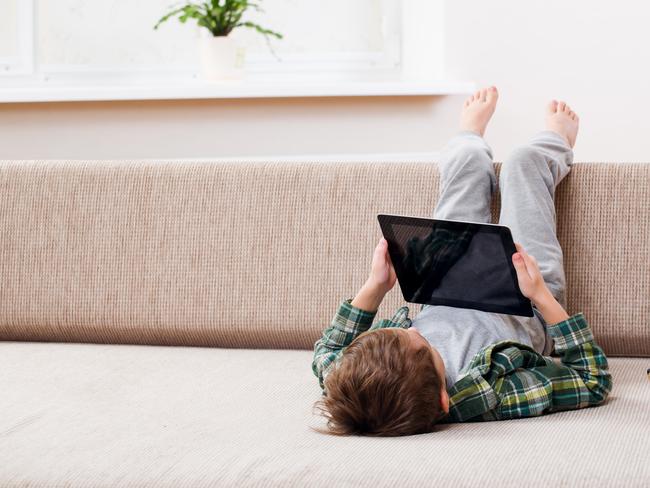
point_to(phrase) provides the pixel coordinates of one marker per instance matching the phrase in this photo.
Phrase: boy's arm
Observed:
(537, 384)
(582, 380)
(353, 317)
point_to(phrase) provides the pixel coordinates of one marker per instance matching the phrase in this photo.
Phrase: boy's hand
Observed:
(382, 273)
(533, 287)
(382, 278)
(531, 282)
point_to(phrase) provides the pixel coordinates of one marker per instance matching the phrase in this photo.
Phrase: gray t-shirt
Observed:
(459, 333)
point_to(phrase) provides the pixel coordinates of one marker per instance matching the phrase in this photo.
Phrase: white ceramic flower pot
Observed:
(221, 57)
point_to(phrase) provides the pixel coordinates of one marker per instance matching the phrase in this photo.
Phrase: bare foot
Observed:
(478, 109)
(562, 120)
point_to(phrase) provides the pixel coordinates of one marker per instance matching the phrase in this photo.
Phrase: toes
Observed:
(492, 93)
(561, 106)
(552, 106)
(477, 95)
(483, 95)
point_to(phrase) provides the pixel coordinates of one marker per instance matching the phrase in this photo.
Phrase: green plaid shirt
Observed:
(504, 380)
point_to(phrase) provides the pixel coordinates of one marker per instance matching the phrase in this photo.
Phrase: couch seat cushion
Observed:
(81, 414)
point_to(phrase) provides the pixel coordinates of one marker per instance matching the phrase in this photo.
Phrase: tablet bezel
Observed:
(525, 306)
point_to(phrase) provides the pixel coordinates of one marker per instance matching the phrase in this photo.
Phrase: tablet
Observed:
(455, 263)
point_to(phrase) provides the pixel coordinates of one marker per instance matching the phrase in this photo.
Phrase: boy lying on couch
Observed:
(401, 376)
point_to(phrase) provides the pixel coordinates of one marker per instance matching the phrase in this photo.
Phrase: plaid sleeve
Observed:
(348, 322)
(581, 380)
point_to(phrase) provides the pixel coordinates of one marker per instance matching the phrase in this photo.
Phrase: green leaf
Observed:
(260, 29)
(220, 17)
(167, 16)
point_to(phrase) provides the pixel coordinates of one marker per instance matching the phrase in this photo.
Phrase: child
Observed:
(402, 376)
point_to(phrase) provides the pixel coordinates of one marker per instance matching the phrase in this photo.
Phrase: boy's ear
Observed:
(444, 400)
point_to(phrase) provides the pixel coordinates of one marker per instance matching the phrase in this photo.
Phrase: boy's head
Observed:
(387, 382)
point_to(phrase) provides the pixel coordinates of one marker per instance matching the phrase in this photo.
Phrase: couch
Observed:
(158, 318)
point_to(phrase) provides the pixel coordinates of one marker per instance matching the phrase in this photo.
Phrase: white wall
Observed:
(591, 53)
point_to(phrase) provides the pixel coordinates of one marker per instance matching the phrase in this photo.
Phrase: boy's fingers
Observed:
(378, 251)
(531, 262)
(523, 261)
(520, 267)
(381, 250)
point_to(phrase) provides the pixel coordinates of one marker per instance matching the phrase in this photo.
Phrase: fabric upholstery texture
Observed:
(120, 415)
(259, 254)
(253, 258)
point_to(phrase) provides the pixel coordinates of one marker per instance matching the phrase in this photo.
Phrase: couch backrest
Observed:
(260, 254)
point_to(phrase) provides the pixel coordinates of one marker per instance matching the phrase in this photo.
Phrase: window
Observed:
(317, 37)
(16, 37)
(103, 50)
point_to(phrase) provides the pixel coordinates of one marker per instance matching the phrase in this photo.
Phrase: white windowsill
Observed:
(408, 157)
(56, 91)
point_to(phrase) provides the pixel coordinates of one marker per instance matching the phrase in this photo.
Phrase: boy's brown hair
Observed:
(381, 386)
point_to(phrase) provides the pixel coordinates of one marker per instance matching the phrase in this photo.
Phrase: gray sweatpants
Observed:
(527, 183)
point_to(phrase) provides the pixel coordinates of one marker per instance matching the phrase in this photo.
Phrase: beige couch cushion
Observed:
(259, 255)
(104, 415)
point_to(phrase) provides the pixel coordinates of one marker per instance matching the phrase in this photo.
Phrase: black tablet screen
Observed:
(461, 264)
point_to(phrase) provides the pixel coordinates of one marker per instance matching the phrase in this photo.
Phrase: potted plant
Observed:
(220, 56)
